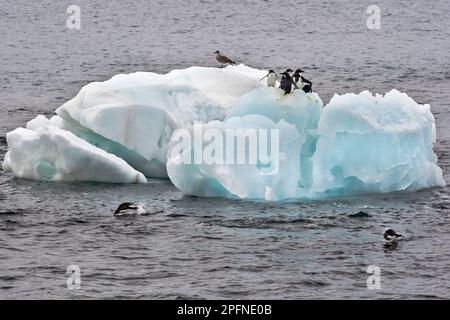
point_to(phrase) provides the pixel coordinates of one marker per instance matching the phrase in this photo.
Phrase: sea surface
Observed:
(213, 248)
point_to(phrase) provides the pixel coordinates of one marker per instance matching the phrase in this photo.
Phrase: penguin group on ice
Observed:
(289, 81)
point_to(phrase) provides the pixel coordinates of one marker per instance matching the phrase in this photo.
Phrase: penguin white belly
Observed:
(271, 80)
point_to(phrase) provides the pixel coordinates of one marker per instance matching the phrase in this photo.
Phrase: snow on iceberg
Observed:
(50, 153)
(138, 112)
(375, 144)
(358, 143)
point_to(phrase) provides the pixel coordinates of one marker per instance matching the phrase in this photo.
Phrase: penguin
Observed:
(287, 83)
(391, 235)
(297, 77)
(302, 82)
(289, 71)
(271, 78)
(129, 208)
(223, 59)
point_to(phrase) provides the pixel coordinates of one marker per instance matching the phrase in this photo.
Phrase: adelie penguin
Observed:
(391, 235)
(223, 59)
(286, 83)
(129, 208)
(271, 78)
(302, 82)
(289, 71)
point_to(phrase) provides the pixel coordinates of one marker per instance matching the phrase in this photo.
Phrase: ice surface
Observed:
(295, 116)
(239, 180)
(375, 144)
(50, 153)
(358, 143)
(139, 111)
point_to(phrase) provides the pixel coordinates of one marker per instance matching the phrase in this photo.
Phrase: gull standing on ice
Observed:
(223, 59)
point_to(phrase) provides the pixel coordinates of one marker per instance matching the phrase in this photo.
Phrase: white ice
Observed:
(139, 111)
(375, 143)
(50, 153)
(295, 116)
(119, 130)
(358, 143)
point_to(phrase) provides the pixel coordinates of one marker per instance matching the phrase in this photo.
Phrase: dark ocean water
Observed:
(212, 248)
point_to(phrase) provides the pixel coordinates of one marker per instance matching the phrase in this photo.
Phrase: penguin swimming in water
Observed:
(391, 235)
(223, 59)
(302, 82)
(286, 83)
(128, 208)
(271, 78)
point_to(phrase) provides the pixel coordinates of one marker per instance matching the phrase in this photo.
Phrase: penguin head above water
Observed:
(128, 208)
(391, 235)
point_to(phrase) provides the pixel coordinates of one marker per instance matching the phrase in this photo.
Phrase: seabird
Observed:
(128, 208)
(391, 235)
(287, 83)
(289, 71)
(223, 59)
(271, 78)
(302, 82)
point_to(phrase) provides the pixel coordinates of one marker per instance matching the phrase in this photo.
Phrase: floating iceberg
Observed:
(147, 124)
(276, 175)
(138, 112)
(50, 153)
(358, 143)
(375, 144)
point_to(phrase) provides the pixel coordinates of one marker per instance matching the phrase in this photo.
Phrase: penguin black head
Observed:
(390, 234)
(289, 70)
(299, 71)
(217, 51)
(271, 71)
(125, 206)
(286, 74)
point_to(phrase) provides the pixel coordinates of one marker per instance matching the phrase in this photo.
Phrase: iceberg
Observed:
(356, 144)
(50, 153)
(375, 143)
(223, 133)
(134, 115)
(295, 119)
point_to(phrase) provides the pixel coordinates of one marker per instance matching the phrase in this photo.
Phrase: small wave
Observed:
(360, 214)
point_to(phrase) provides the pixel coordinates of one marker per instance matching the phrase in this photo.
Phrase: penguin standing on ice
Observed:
(223, 59)
(289, 71)
(286, 83)
(302, 82)
(271, 78)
